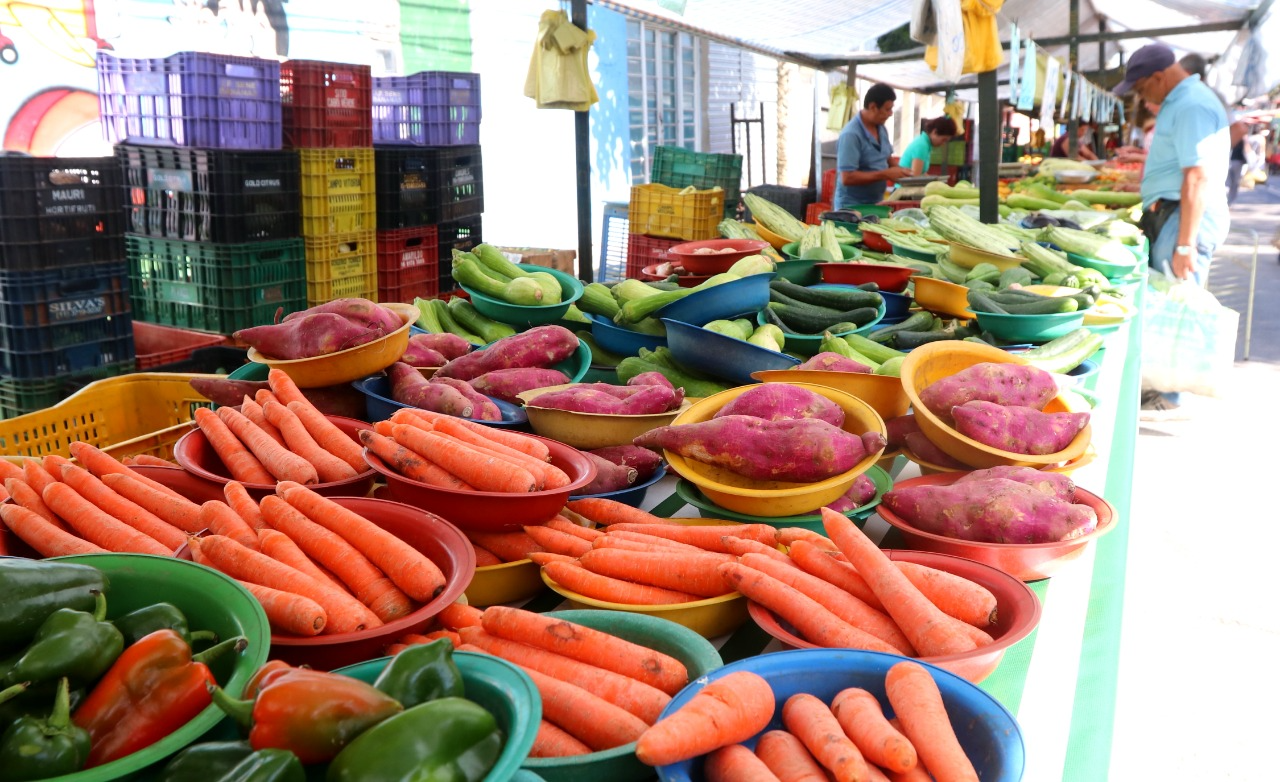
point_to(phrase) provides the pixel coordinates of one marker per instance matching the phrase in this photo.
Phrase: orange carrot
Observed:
(565, 525)
(328, 467)
(36, 476)
(917, 704)
(918, 772)
(692, 573)
(558, 542)
(523, 443)
(788, 758)
(877, 774)
(543, 557)
(394, 649)
(147, 460)
(244, 505)
(289, 612)
(384, 428)
(9, 470)
(283, 387)
(653, 541)
(615, 540)
(743, 546)
(219, 519)
(456, 616)
(281, 463)
(810, 618)
(816, 562)
(729, 710)
(483, 471)
(605, 512)
(87, 485)
(574, 577)
(54, 463)
(548, 475)
(254, 412)
(408, 568)
(239, 460)
(46, 539)
(736, 763)
(788, 536)
(452, 637)
(928, 629)
(509, 546)
(281, 548)
(327, 435)
(583, 714)
(264, 395)
(369, 584)
(97, 526)
(862, 717)
(410, 464)
(812, 722)
(552, 742)
(180, 512)
(101, 463)
(955, 595)
(485, 557)
(707, 537)
(586, 645)
(24, 495)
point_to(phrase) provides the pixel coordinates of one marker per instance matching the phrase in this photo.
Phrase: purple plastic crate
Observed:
(190, 99)
(427, 109)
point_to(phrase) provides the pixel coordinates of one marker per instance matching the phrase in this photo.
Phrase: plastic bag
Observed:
(982, 50)
(940, 24)
(844, 101)
(1188, 338)
(558, 76)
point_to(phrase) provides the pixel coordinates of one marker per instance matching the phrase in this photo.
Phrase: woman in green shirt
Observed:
(936, 133)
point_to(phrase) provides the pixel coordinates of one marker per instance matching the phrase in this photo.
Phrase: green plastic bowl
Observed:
(917, 255)
(1106, 267)
(574, 366)
(210, 601)
(848, 252)
(1030, 328)
(599, 373)
(690, 493)
(525, 315)
(798, 272)
(620, 763)
(808, 344)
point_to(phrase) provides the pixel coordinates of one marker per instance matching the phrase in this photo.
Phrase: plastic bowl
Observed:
(620, 763)
(746, 294)
(600, 373)
(791, 251)
(574, 366)
(1025, 561)
(1030, 328)
(590, 430)
(969, 257)
(942, 297)
(380, 406)
(650, 273)
(876, 242)
(809, 344)
(933, 362)
(896, 305)
(196, 456)
(916, 255)
(491, 511)
(632, 495)
(509, 582)
(989, 734)
(1017, 614)
(720, 355)
(714, 263)
(889, 277)
(1080, 177)
(776, 241)
(622, 341)
(883, 392)
(350, 364)
(813, 521)
(1066, 468)
(1108, 268)
(210, 601)
(528, 315)
(774, 498)
(798, 272)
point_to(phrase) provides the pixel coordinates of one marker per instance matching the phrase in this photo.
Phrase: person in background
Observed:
(863, 152)
(937, 132)
(1239, 160)
(1084, 148)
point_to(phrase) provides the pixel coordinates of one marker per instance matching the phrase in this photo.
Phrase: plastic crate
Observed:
(215, 360)
(22, 396)
(661, 211)
(793, 199)
(645, 251)
(190, 99)
(218, 288)
(813, 212)
(419, 187)
(59, 212)
(326, 104)
(337, 191)
(427, 109)
(342, 266)
(200, 195)
(74, 348)
(679, 168)
(613, 243)
(461, 235)
(829, 186)
(408, 264)
(43, 300)
(155, 345)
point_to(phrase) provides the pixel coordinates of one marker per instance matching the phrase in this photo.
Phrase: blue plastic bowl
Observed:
(747, 294)
(378, 401)
(896, 306)
(622, 341)
(987, 731)
(525, 315)
(719, 356)
(632, 495)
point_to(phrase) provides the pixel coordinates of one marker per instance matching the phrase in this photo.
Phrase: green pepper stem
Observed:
(99, 606)
(61, 716)
(239, 710)
(217, 650)
(203, 635)
(10, 693)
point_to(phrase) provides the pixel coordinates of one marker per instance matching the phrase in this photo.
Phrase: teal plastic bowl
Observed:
(622, 341)
(707, 509)
(599, 373)
(1106, 267)
(917, 255)
(799, 272)
(791, 251)
(620, 763)
(808, 344)
(721, 356)
(746, 294)
(525, 315)
(574, 366)
(1035, 329)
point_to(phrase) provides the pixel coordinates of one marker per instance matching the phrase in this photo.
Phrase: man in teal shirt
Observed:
(862, 153)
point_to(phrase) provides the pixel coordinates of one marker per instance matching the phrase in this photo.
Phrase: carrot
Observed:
(558, 542)
(652, 541)
(281, 463)
(485, 557)
(409, 569)
(394, 649)
(239, 460)
(916, 774)
(548, 475)
(288, 612)
(707, 537)
(928, 629)
(692, 573)
(576, 578)
(410, 464)
(788, 758)
(283, 387)
(614, 541)
(87, 485)
(9, 470)
(787, 536)
(41, 535)
(101, 463)
(384, 428)
(586, 645)
(812, 722)
(265, 395)
(369, 584)
(456, 616)
(98, 526)
(244, 505)
(327, 435)
(573, 528)
(523, 443)
(344, 613)
(36, 476)
(453, 637)
(862, 717)
(54, 463)
(736, 763)
(731, 709)
(543, 557)
(24, 495)
(605, 512)
(219, 519)
(957, 596)
(877, 774)
(180, 512)
(583, 714)
(638, 698)
(817, 562)
(328, 467)
(509, 546)
(281, 548)
(552, 742)
(483, 471)
(254, 412)
(809, 617)
(147, 460)
(917, 703)
(743, 546)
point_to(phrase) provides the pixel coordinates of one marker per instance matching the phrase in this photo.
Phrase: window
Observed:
(662, 91)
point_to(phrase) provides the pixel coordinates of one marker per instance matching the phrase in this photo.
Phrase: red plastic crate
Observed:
(155, 345)
(645, 251)
(408, 264)
(829, 185)
(326, 104)
(813, 212)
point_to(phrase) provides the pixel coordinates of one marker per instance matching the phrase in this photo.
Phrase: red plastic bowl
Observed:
(876, 242)
(1017, 614)
(1026, 561)
(890, 277)
(492, 511)
(714, 263)
(651, 274)
(197, 457)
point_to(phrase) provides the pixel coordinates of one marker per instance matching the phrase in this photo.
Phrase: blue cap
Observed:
(1152, 58)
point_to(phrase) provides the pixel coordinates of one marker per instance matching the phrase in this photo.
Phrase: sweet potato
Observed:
(226, 392)
(801, 450)
(1054, 484)
(1002, 384)
(898, 428)
(609, 476)
(361, 312)
(484, 408)
(860, 493)
(834, 362)
(308, 336)
(992, 510)
(448, 345)
(921, 446)
(780, 401)
(409, 387)
(543, 346)
(645, 462)
(420, 354)
(579, 399)
(651, 399)
(1018, 429)
(507, 384)
(650, 379)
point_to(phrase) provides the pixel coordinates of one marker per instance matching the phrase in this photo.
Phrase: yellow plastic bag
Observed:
(982, 50)
(844, 101)
(558, 75)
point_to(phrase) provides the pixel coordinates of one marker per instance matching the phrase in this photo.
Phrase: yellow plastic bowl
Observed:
(969, 257)
(1107, 311)
(586, 431)
(942, 297)
(350, 364)
(772, 238)
(932, 362)
(883, 392)
(508, 582)
(774, 498)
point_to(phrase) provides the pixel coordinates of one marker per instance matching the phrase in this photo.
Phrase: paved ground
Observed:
(1201, 636)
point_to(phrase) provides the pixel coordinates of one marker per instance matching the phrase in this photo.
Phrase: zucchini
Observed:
(489, 255)
(772, 317)
(837, 345)
(452, 326)
(469, 318)
(987, 272)
(848, 298)
(919, 321)
(872, 349)
(952, 271)
(1046, 305)
(1066, 352)
(731, 328)
(660, 361)
(979, 301)
(908, 340)
(427, 316)
(522, 290)
(1015, 276)
(769, 337)
(598, 300)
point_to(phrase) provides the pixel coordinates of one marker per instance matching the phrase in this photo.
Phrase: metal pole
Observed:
(582, 143)
(1073, 143)
(989, 146)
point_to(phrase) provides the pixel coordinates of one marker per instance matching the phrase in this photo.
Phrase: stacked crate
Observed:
(430, 179)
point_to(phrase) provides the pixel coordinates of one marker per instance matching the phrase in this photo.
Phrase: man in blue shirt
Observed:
(862, 153)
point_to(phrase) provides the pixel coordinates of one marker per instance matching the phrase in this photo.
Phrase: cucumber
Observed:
(981, 302)
(872, 349)
(833, 298)
(452, 326)
(772, 317)
(1066, 352)
(1053, 305)
(908, 340)
(920, 321)
(466, 315)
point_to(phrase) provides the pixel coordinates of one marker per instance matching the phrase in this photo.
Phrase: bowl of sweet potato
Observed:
(586, 415)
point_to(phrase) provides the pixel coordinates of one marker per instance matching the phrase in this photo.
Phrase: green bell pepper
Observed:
(40, 748)
(34, 589)
(160, 616)
(421, 673)
(445, 740)
(70, 643)
(233, 761)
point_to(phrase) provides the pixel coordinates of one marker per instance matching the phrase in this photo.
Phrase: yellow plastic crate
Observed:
(342, 266)
(691, 215)
(338, 191)
(145, 412)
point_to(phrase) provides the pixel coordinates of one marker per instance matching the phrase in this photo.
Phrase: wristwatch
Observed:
(1182, 249)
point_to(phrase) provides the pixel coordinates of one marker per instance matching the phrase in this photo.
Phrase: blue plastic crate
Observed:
(427, 109)
(73, 348)
(44, 300)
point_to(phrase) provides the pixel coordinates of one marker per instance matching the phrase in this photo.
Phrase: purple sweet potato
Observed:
(448, 345)
(539, 347)
(419, 355)
(781, 401)
(308, 336)
(226, 392)
(1003, 384)
(409, 387)
(834, 362)
(484, 408)
(898, 428)
(609, 476)
(801, 450)
(994, 510)
(922, 447)
(508, 384)
(579, 400)
(860, 493)
(1018, 429)
(652, 399)
(1054, 484)
(362, 312)
(645, 462)
(650, 379)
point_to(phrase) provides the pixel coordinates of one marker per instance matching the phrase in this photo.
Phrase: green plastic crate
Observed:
(19, 396)
(678, 167)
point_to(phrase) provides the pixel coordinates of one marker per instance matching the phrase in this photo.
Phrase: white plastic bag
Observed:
(1188, 338)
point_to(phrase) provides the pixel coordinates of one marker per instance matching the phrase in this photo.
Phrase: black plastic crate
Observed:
(73, 348)
(417, 187)
(43, 300)
(793, 199)
(216, 360)
(461, 235)
(59, 212)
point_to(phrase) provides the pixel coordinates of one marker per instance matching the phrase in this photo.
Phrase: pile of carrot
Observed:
(278, 435)
(453, 453)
